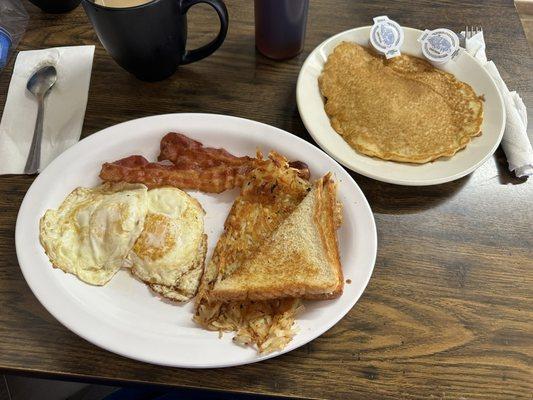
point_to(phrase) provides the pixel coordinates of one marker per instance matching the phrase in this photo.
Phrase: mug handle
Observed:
(209, 48)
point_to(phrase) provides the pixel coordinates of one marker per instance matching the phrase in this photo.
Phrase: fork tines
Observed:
(472, 30)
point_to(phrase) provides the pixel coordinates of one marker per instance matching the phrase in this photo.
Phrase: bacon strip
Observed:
(137, 169)
(185, 163)
(185, 152)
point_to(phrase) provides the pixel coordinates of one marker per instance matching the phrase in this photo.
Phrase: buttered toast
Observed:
(300, 259)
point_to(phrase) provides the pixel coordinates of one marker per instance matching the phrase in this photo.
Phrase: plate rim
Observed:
(99, 342)
(352, 165)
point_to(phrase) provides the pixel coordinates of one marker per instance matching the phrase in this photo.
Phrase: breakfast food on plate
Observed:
(183, 163)
(279, 244)
(170, 251)
(273, 196)
(93, 230)
(186, 164)
(402, 109)
(300, 259)
(158, 233)
(269, 194)
(187, 153)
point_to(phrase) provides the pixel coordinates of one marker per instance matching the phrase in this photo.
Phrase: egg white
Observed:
(94, 229)
(170, 248)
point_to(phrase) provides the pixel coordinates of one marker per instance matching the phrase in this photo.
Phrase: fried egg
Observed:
(94, 229)
(169, 254)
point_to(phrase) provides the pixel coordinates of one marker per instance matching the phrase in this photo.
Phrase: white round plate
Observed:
(465, 68)
(124, 316)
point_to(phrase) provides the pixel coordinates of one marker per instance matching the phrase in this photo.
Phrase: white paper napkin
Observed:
(64, 108)
(515, 142)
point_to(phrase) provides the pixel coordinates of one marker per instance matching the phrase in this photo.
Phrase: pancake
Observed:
(402, 109)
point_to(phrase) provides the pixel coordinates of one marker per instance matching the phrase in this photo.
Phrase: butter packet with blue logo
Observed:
(439, 45)
(386, 36)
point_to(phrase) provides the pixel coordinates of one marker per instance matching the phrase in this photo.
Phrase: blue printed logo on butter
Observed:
(5, 46)
(439, 45)
(386, 36)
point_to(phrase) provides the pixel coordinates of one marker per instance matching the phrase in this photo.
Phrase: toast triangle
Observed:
(300, 259)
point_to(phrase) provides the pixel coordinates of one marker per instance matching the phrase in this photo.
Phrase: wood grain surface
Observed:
(525, 12)
(448, 313)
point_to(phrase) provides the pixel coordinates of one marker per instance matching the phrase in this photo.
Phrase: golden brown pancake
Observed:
(402, 109)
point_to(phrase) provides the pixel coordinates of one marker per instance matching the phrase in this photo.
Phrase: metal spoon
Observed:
(39, 85)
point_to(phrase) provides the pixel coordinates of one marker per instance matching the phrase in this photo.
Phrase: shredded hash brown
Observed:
(269, 194)
(267, 325)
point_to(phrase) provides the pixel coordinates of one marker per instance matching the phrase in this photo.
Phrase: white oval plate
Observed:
(465, 68)
(124, 316)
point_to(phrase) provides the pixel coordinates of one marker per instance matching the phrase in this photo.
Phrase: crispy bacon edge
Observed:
(185, 163)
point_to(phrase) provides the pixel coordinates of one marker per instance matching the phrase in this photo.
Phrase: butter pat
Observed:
(440, 45)
(386, 36)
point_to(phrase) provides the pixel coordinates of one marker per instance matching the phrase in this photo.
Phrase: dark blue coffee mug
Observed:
(149, 40)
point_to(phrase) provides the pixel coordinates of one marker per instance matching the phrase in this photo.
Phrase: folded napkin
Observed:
(64, 107)
(515, 142)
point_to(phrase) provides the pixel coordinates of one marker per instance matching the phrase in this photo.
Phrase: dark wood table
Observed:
(448, 313)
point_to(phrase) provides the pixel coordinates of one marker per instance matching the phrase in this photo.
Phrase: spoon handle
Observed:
(34, 156)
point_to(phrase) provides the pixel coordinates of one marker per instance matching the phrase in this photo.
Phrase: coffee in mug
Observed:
(121, 3)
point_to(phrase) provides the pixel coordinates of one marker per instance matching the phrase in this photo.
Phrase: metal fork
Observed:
(470, 31)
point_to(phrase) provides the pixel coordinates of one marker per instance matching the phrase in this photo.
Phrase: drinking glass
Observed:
(280, 27)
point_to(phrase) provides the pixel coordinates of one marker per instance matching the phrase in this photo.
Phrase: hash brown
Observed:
(269, 194)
